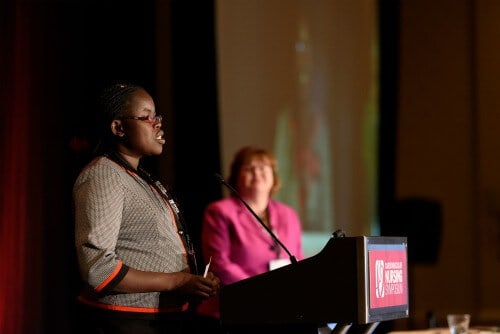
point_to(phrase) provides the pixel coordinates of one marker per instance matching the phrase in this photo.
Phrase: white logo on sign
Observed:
(379, 278)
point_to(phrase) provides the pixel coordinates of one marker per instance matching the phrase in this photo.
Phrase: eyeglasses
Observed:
(152, 120)
(259, 167)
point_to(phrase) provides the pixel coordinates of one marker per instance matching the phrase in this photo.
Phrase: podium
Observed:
(352, 280)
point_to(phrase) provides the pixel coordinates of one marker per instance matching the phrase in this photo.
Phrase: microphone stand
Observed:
(221, 179)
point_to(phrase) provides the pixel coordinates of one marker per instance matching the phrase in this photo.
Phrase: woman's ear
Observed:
(117, 128)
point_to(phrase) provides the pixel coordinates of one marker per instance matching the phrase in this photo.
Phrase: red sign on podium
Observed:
(388, 281)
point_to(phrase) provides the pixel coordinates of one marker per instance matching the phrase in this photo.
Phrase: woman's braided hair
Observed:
(112, 102)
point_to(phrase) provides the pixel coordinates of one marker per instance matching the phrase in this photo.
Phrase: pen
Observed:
(207, 266)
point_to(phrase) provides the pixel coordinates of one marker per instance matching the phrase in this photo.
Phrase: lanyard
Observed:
(179, 221)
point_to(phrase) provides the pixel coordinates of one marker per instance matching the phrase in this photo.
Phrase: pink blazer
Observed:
(240, 247)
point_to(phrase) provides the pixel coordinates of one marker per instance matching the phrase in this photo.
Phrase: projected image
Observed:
(302, 142)
(302, 80)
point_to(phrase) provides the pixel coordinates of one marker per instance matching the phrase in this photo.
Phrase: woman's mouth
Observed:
(159, 137)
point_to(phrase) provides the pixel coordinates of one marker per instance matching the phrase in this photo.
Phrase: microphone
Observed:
(338, 234)
(234, 191)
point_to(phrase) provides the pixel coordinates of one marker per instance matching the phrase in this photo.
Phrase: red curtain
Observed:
(14, 146)
(46, 49)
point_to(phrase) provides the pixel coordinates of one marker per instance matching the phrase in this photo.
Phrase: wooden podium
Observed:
(352, 280)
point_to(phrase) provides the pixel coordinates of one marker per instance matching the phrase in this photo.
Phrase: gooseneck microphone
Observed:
(235, 192)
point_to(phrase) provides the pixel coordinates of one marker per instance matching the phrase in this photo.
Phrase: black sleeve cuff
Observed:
(108, 289)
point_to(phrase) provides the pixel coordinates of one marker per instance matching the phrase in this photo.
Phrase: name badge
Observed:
(278, 263)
